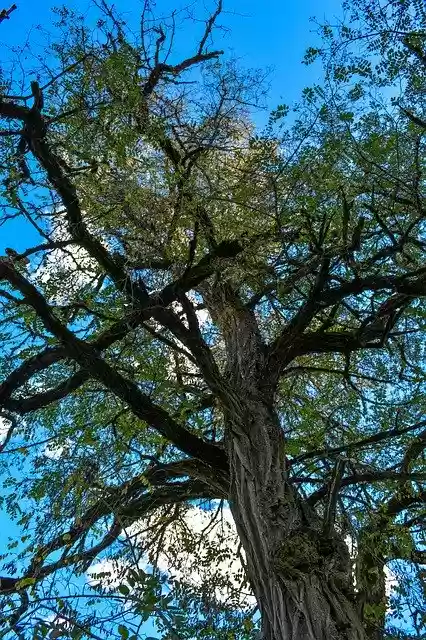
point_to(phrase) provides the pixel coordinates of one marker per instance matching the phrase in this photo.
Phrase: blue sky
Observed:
(274, 33)
(271, 35)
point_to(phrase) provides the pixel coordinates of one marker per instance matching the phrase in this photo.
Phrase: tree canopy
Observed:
(213, 350)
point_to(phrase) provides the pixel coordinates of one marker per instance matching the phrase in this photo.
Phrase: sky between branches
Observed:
(271, 35)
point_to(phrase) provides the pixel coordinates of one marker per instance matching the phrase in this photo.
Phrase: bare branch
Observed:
(209, 26)
(5, 13)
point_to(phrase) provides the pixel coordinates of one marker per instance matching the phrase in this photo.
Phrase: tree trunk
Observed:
(301, 577)
(300, 571)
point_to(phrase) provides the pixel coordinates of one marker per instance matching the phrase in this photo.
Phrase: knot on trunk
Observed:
(307, 551)
(299, 553)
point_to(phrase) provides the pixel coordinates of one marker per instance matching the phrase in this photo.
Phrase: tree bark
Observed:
(301, 576)
(300, 570)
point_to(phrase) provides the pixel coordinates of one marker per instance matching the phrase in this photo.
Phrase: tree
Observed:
(211, 315)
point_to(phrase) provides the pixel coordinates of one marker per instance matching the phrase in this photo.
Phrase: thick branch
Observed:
(89, 359)
(361, 478)
(413, 451)
(359, 444)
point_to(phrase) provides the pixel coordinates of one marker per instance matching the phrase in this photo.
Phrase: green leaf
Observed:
(25, 582)
(123, 631)
(124, 589)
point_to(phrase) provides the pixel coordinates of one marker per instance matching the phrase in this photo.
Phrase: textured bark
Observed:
(301, 576)
(299, 568)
